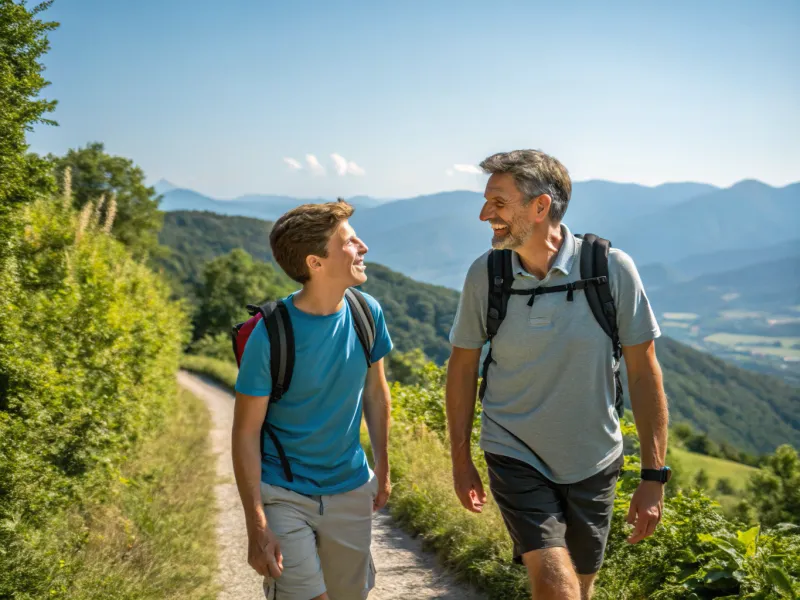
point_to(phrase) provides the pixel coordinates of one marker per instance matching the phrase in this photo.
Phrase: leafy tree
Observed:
(120, 183)
(23, 41)
(230, 283)
(725, 487)
(774, 490)
(701, 479)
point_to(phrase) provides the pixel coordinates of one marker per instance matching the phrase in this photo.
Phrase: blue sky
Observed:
(216, 96)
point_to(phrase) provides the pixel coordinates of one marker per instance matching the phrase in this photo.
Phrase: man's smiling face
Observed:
(505, 212)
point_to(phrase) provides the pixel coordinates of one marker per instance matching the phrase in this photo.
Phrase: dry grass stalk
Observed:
(111, 213)
(67, 187)
(83, 220)
(99, 209)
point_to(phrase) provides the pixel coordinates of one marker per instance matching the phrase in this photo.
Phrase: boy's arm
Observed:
(264, 553)
(377, 410)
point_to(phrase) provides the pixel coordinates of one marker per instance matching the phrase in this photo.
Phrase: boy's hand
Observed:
(264, 552)
(384, 488)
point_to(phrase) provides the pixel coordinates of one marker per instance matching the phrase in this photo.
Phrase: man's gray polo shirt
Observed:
(551, 381)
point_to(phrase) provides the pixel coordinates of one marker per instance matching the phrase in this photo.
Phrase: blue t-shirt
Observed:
(317, 420)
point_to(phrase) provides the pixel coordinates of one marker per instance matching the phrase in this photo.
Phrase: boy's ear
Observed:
(313, 262)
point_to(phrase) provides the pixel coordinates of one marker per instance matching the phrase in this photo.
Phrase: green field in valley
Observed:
(737, 474)
(787, 347)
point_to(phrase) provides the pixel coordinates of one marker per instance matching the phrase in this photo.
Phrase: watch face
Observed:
(668, 473)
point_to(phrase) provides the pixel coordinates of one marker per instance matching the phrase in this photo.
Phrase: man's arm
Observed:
(649, 404)
(461, 392)
(248, 414)
(377, 411)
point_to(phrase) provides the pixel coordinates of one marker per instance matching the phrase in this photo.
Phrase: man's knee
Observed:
(552, 574)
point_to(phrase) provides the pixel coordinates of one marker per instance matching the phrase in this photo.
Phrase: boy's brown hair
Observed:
(303, 231)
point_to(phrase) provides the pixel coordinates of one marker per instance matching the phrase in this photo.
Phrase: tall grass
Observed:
(151, 533)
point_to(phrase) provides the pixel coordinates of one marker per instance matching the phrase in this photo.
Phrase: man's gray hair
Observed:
(535, 173)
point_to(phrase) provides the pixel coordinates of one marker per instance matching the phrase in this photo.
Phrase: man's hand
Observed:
(264, 552)
(384, 488)
(469, 487)
(647, 506)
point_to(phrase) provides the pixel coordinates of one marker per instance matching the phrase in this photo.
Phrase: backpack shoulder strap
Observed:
(500, 280)
(281, 345)
(363, 321)
(281, 356)
(594, 263)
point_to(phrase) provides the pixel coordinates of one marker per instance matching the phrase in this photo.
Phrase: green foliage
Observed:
(24, 41)
(724, 487)
(774, 491)
(89, 345)
(405, 367)
(696, 552)
(701, 480)
(157, 518)
(120, 183)
(230, 283)
(420, 315)
(195, 238)
(218, 347)
(222, 371)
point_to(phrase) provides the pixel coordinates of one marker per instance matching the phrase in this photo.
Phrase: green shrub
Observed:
(222, 371)
(89, 346)
(695, 553)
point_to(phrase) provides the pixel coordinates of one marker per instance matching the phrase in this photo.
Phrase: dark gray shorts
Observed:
(541, 514)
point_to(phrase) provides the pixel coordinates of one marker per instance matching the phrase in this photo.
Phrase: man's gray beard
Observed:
(514, 240)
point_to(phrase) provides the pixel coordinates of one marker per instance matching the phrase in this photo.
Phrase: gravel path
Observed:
(404, 569)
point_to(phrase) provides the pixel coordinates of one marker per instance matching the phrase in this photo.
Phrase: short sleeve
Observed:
(469, 324)
(255, 378)
(635, 318)
(383, 341)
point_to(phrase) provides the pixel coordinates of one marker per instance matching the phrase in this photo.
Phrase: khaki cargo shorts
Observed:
(325, 542)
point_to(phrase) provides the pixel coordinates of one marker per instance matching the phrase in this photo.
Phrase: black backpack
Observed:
(281, 343)
(593, 282)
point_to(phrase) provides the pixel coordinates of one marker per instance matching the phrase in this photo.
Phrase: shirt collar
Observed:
(564, 259)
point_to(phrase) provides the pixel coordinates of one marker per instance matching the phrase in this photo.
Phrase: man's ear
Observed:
(541, 207)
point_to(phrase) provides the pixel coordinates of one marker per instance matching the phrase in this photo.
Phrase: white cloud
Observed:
(314, 164)
(468, 169)
(293, 163)
(343, 166)
(450, 172)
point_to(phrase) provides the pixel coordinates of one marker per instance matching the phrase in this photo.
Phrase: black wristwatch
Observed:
(662, 475)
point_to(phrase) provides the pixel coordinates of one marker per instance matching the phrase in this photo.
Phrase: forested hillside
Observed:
(194, 238)
(751, 412)
(420, 314)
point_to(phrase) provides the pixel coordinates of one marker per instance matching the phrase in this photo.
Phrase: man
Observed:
(310, 537)
(550, 432)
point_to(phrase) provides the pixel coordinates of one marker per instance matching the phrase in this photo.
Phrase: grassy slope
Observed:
(152, 534)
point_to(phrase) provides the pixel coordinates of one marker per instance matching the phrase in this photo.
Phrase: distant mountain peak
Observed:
(162, 186)
(749, 184)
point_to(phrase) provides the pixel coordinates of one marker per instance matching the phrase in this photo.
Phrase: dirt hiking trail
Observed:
(404, 569)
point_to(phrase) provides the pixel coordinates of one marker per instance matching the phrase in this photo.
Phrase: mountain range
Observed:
(752, 412)
(434, 238)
